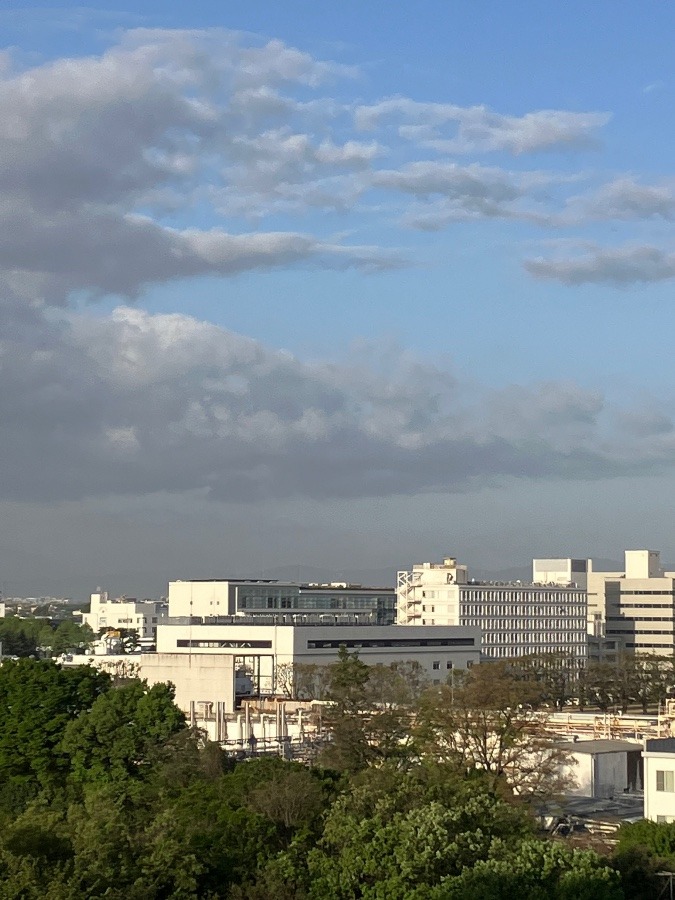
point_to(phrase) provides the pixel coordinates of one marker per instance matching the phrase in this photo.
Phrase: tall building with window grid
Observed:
(516, 619)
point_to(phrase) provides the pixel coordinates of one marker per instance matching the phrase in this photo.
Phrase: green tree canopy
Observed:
(122, 733)
(39, 700)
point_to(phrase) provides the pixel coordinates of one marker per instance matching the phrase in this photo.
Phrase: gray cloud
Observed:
(106, 157)
(447, 192)
(619, 267)
(623, 198)
(95, 149)
(480, 130)
(135, 403)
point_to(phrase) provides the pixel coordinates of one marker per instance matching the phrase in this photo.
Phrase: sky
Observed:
(332, 285)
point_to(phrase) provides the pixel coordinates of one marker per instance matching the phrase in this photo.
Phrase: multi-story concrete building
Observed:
(516, 619)
(260, 649)
(637, 605)
(124, 614)
(330, 603)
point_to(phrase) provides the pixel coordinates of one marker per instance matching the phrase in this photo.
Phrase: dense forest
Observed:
(104, 792)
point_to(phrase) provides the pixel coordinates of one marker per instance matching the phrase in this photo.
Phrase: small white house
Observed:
(659, 761)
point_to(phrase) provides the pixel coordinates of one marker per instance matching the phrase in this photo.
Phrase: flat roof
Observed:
(607, 745)
(660, 745)
(302, 585)
(197, 623)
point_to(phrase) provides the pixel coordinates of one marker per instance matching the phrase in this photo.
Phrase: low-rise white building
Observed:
(659, 763)
(331, 603)
(604, 769)
(223, 664)
(124, 614)
(516, 619)
(261, 649)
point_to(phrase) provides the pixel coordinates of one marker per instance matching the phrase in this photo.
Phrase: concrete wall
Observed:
(197, 677)
(611, 774)
(582, 772)
(199, 598)
(643, 564)
(289, 644)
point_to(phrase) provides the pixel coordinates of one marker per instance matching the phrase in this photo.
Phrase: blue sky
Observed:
(333, 284)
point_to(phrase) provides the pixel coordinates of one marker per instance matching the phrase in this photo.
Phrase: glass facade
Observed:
(377, 607)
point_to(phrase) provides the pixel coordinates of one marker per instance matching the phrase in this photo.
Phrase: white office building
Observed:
(351, 604)
(124, 614)
(261, 648)
(225, 664)
(516, 619)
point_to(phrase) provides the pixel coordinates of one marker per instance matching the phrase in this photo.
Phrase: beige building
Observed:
(516, 619)
(637, 605)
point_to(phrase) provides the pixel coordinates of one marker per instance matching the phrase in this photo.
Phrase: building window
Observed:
(436, 664)
(448, 665)
(665, 781)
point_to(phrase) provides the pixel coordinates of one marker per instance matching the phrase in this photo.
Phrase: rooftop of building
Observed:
(607, 745)
(304, 620)
(660, 745)
(301, 585)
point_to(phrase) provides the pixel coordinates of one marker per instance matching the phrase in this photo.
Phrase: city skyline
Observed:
(288, 288)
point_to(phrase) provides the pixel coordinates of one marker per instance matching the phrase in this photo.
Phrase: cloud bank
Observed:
(135, 403)
(180, 154)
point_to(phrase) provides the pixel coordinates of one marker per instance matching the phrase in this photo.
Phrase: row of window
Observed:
(668, 606)
(473, 595)
(307, 602)
(571, 611)
(531, 633)
(578, 653)
(639, 645)
(638, 632)
(639, 618)
(391, 642)
(514, 637)
(103, 620)
(652, 593)
(216, 645)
